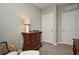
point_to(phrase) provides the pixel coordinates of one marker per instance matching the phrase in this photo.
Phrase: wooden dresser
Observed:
(75, 46)
(32, 41)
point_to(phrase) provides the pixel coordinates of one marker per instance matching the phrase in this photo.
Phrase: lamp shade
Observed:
(27, 20)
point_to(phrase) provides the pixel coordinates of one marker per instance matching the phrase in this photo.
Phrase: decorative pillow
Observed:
(12, 47)
(4, 48)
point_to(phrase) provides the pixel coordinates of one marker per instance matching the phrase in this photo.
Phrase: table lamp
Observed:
(27, 22)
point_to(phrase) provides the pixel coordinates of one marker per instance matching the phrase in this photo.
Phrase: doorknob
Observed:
(63, 30)
(51, 30)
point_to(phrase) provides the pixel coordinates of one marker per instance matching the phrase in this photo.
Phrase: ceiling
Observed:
(44, 5)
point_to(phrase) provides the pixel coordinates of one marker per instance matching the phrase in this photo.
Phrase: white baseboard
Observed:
(59, 42)
(55, 44)
(51, 43)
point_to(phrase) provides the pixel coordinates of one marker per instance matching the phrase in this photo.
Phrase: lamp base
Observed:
(27, 28)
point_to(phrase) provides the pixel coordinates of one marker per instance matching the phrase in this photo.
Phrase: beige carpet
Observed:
(60, 49)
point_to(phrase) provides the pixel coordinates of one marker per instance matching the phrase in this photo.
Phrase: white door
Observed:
(48, 28)
(68, 30)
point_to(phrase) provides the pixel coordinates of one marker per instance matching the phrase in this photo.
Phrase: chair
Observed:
(4, 48)
(10, 49)
(75, 46)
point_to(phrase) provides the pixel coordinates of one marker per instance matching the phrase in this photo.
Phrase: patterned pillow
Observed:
(4, 48)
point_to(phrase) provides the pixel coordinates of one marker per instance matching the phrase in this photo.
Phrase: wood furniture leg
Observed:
(74, 49)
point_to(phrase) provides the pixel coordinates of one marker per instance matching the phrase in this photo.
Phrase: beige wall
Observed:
(10, 21)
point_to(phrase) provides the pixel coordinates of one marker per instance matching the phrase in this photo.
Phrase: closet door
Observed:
(48, 27)
(69, 24)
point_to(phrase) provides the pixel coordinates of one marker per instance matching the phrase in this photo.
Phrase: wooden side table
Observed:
(32, 41)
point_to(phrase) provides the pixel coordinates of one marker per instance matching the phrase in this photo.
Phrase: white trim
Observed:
(59, 42)
(51, 43)
(55, 44)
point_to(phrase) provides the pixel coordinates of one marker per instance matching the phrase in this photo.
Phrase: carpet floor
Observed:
(60, 49)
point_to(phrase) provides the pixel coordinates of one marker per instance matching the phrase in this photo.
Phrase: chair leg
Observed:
(74, 51)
